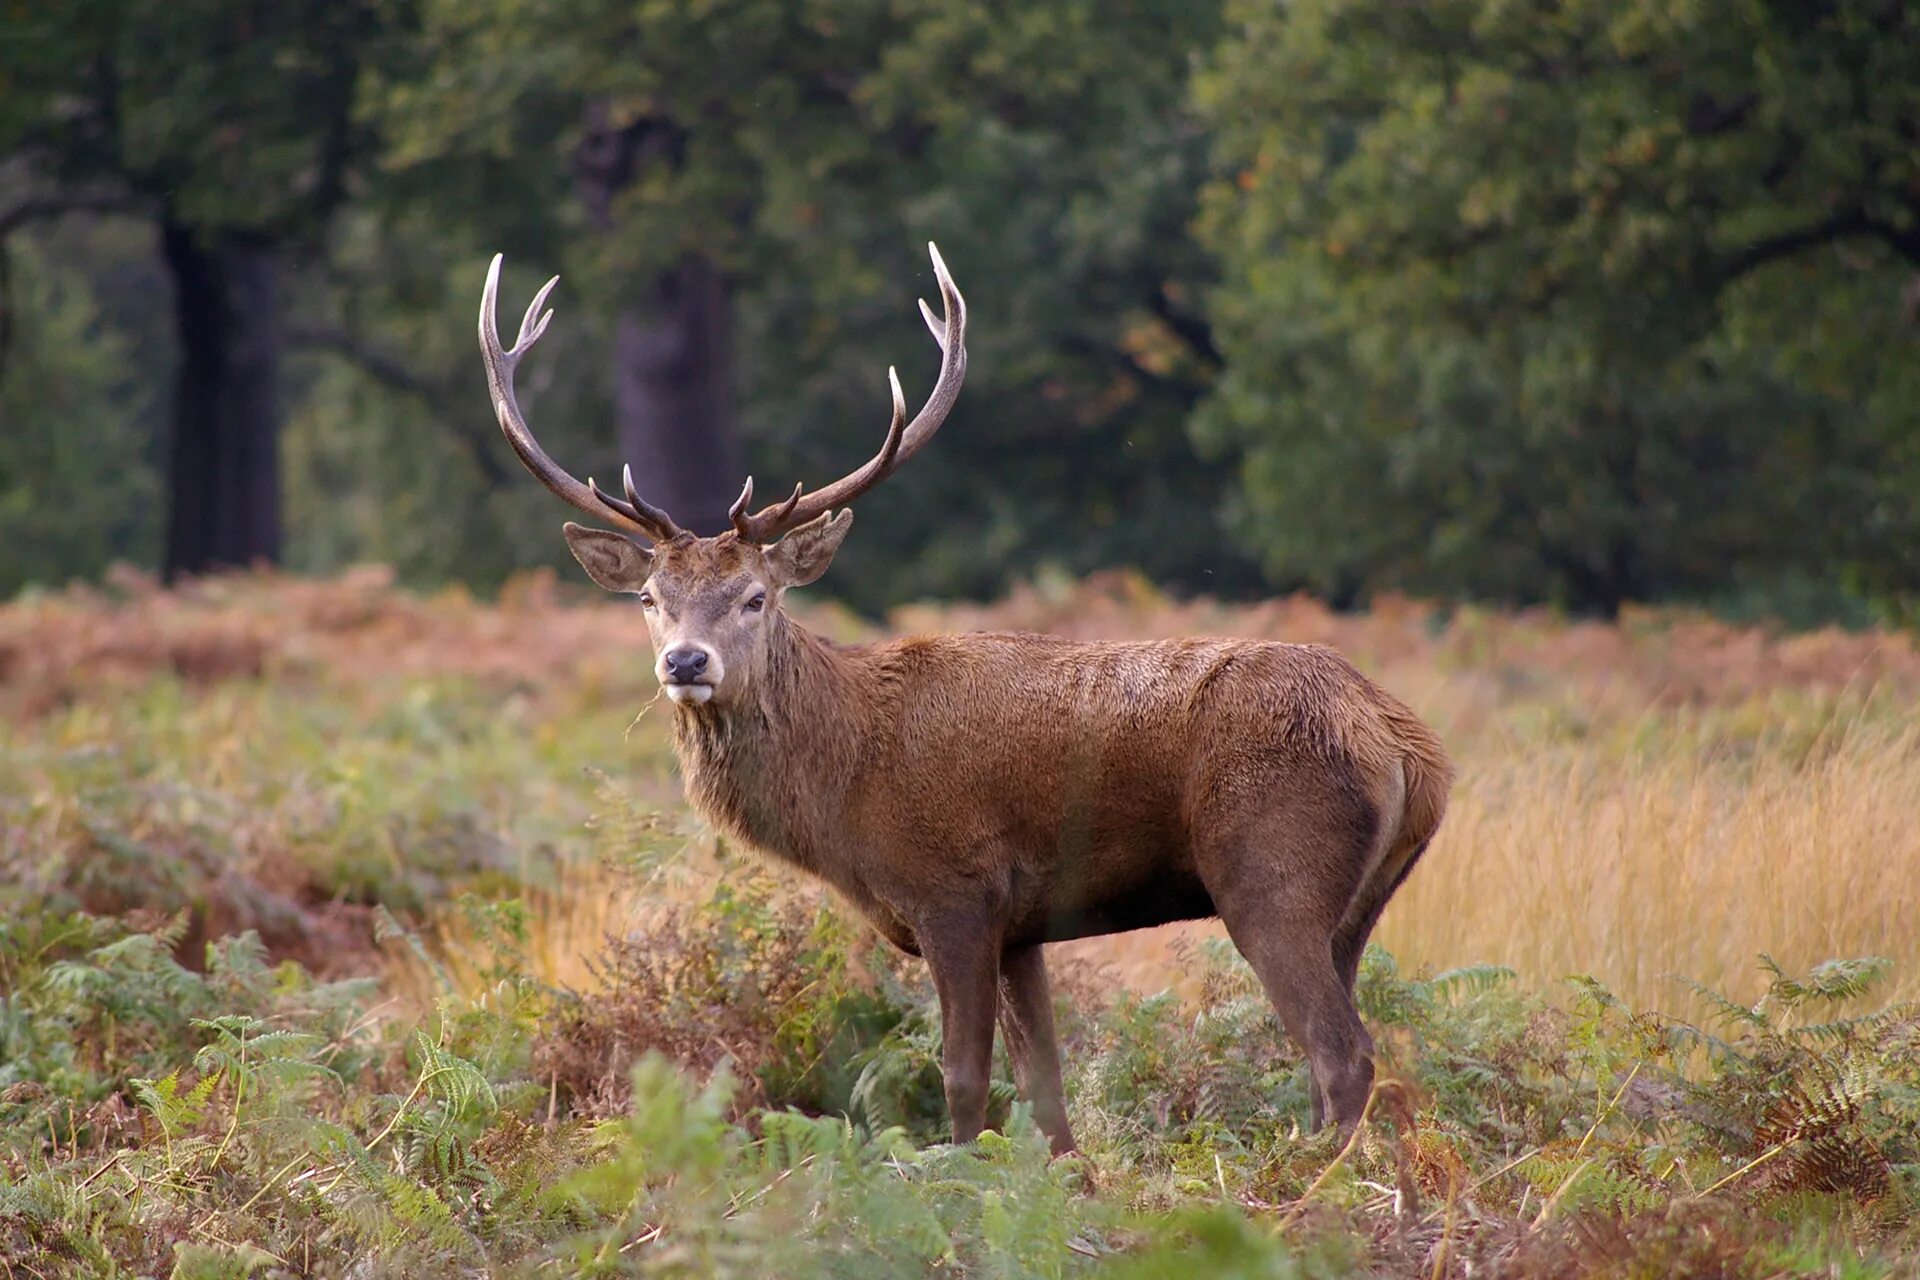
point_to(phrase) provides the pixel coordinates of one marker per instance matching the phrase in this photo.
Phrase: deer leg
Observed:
(1350, 942)
(1296, 968)
(1026, 1020)
(1275, 888)
(1348, 946)
(966, 976)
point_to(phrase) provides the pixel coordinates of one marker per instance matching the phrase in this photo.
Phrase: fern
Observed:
(175, 1110)
(1473, 979)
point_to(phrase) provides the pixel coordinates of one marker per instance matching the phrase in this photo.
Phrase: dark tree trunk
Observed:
(672, 352)
(223, 462)
(672, 397)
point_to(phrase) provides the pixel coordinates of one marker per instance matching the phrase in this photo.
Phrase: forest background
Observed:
(1576, 304)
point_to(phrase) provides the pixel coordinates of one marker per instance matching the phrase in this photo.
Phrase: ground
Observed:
(349, 931)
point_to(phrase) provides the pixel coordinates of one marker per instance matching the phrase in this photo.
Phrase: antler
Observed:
(903, 440)
(634, 514)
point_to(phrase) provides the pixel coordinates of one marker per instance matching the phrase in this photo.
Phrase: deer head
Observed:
(711, 603)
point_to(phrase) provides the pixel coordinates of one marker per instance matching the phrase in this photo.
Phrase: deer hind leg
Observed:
(1350, 943)
(1282, 893)
(1388, 862)
(1026, 1020)
(965, 961)
(1294, 961)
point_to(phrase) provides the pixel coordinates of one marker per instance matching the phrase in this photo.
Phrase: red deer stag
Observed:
(975, 796)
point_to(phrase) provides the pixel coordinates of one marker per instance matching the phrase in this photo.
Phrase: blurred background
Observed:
(1578, 304)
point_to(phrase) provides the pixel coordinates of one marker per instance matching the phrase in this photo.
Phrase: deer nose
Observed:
(685, 664)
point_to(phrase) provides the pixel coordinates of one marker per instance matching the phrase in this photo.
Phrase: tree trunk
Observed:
(672, 397)
(223, 463)
(672, 351)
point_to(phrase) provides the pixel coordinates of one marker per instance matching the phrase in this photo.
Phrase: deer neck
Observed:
(774, 769)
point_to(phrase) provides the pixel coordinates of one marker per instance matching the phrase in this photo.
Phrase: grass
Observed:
(1677, 857)
(344, 931)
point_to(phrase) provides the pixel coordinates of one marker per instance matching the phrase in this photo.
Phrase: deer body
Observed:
(1074, 783)
(976, 796)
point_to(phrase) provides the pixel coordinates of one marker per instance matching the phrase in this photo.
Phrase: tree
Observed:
(235, 128)
(1580, 302)
(673, 337)
(771, 172)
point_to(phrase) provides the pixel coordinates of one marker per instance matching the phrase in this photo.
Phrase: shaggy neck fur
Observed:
(774, 769)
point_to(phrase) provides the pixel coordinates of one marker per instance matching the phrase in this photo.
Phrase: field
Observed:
(351, 932)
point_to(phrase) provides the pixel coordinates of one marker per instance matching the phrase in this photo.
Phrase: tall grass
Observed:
(1669, 860)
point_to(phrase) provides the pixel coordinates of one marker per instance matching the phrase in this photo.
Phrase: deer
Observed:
(977, 796)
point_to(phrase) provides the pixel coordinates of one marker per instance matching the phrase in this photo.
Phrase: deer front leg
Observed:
(965, 959)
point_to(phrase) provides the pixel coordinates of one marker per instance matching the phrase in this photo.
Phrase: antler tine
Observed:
(534, 323)
(742, 522)
(903, 440)
(646, 510)
(631, 516)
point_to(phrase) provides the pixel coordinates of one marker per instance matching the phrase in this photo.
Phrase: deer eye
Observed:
(757, 602)
(646, 599)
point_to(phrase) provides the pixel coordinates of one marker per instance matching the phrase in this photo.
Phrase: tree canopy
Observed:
(1569, 302)
(1583, 302)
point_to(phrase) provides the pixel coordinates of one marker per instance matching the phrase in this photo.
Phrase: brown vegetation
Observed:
(1668, 795)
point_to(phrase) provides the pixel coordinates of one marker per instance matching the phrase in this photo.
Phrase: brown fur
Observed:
(977, 795)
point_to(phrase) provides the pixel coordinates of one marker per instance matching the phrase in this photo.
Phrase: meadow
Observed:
(348, 931)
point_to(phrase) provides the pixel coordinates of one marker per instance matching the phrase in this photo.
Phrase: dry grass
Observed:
(569, 918)
(1670, 862)
(1667, 796)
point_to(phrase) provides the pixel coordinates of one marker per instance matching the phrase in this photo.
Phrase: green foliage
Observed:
(1578, 303)
(230, 117)
(227, 1118)
(1048, 148)
(181, 862)
(752, 984)
(1219, 1242)
(70, 396)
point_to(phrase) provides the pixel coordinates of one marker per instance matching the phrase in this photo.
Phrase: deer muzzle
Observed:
(689, 673)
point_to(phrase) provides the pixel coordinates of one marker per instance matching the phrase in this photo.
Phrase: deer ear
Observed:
(804, 554)
(613, 560)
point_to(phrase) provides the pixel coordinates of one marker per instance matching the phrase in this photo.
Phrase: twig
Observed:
(315, 1173)
(645, 1237)
(1554, 1200)
(1607, 1110)
(88, 1180)
(738, 1205)
(628, 731)
(255, 1198)
(1446, 1232)
(1744, 1169)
